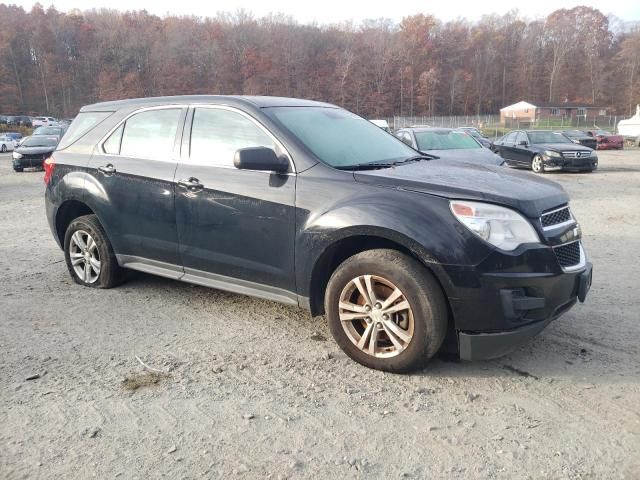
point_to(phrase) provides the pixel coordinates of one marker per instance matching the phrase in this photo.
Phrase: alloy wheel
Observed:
(85, 256)
(536, 164)
(376, 316)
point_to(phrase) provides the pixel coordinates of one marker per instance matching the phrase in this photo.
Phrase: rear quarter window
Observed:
(82, 124)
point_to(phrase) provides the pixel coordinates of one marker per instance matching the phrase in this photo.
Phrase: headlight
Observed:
(502, 227)
(551, 153)
(17, 155)
(593, 153)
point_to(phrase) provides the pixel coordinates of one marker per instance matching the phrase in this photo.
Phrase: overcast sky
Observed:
(332, 11)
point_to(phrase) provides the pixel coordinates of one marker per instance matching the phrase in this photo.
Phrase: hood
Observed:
(563, 147)
(475, 155)
(522, 191)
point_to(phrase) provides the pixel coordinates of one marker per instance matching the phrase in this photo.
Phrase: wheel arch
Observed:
(356, 242)
(68, 211)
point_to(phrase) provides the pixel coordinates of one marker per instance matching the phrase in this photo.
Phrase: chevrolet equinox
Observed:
(308, 204)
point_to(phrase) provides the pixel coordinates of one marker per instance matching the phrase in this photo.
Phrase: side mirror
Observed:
(260, 158)
(523, 143)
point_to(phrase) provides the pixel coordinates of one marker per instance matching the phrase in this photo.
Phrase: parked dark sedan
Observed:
(581, 138)
(19, 120)
(448, 144)
(545, 151)
(32, 151)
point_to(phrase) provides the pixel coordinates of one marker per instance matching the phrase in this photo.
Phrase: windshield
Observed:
(47, 131)
(602, 132)
(40, 141)
(444, 140)
(340, 138)
(573, 133)
(547, 137)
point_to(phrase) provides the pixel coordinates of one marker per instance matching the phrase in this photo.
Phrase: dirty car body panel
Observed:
(272, 234)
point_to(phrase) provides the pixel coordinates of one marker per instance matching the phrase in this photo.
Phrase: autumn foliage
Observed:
(53, 62)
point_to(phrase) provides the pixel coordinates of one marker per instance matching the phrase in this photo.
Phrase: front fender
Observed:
(422, 224)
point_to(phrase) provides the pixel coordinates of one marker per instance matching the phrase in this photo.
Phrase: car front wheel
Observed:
(89, 255)
(386, 311)
(537, 164)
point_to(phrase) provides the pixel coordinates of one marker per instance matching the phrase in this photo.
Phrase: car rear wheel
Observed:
(3, 149)
(386, 311)
(537, 164)
(18, 169)
(89, 255)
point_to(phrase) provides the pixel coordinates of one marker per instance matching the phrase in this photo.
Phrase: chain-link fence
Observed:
(491, 126)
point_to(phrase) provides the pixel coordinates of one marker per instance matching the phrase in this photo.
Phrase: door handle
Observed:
(191, 183)
(107, 169)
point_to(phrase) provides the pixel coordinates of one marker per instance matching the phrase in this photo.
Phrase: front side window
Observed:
(510, 138)
(521, 137)
(340, 138)
(216, 135)
(149, 134)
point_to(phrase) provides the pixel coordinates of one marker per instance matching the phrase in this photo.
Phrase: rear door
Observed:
(234, 226)
(134, 168)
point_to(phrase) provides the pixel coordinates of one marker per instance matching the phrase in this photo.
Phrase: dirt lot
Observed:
(259, 390)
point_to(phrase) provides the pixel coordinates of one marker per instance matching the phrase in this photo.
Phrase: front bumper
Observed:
(518, 305)
(29, 162)
(570, 164)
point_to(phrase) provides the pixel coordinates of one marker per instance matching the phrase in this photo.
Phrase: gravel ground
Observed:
(255, 389)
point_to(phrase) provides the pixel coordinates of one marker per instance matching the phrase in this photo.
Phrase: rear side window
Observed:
(216, 134)
(81, 125)
(150, 134)
(112, 144)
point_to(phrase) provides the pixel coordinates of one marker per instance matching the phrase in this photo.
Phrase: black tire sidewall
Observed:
(108, 262)
(425, 341)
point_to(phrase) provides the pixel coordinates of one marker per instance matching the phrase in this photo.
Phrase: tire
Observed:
(537, 164)
(3, 149)
(109, 274)
(423, 325)
(18, 169)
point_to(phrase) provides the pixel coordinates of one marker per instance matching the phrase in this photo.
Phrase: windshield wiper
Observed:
(376, 165)
(416, 158)
(366, 166)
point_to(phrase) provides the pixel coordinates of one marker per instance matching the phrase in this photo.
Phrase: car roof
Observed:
(429, 129)
(253, 101)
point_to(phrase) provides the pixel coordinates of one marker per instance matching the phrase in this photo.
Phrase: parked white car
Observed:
(44, 122)
(7, 144)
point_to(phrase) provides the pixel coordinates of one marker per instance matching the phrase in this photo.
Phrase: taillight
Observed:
(49, 165)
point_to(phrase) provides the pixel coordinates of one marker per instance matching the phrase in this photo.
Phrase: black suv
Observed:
(545, 151)
(308, 204)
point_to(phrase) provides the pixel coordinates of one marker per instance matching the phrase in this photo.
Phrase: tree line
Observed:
(53, 62)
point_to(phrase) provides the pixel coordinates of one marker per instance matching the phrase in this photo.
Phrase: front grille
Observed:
(568, 255)
(555, 217)
(576, 154)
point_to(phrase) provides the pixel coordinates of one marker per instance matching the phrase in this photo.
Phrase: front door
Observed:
(235, 227)
(134, 170)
